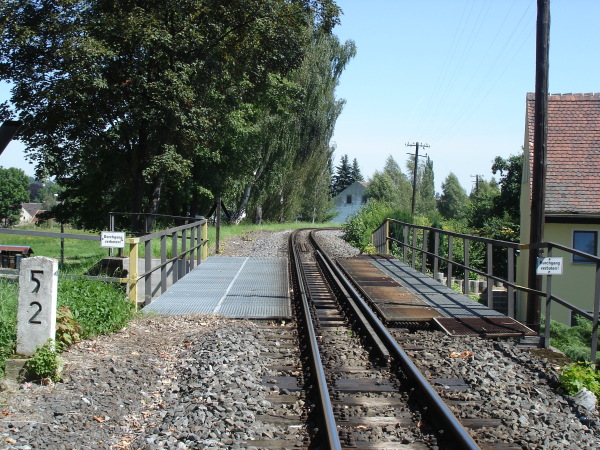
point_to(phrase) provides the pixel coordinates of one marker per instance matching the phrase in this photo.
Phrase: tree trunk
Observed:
(258, 215)
(154, 202)
(241, 212)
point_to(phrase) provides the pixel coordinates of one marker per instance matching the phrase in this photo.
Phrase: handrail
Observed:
(382, 237)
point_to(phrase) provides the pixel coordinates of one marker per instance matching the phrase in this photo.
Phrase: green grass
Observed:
(8, 320)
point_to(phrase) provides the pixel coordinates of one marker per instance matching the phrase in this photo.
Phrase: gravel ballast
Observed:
(197, 382)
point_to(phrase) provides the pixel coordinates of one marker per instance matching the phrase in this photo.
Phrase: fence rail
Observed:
(188, 247)
(410, 240)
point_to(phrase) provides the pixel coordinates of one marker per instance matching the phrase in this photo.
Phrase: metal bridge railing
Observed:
(188, 245)
(408, 241)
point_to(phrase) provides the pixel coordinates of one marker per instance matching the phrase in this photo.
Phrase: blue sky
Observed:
(454, 74)
(449, 73)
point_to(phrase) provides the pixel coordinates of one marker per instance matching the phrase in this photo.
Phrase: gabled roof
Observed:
(573, 152)
(32, 208)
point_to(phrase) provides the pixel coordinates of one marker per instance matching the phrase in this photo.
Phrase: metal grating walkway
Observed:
(241, 288)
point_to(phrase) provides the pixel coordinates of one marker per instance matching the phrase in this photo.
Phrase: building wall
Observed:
(356, 194)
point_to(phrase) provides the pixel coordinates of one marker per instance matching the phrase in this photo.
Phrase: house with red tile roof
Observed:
(572, 204)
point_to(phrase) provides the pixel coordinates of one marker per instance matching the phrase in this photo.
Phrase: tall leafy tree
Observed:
(128, 103)
(13, 192)
(453, 201)
(481, 205)
(391, 185)
(426, 202)
(508, 202)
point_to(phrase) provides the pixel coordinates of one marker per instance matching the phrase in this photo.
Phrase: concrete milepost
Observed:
(36, 317)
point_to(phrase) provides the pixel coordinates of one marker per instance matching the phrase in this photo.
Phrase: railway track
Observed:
(367, 393)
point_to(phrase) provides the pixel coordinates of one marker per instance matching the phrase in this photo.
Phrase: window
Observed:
(348, 199)
(585, 241)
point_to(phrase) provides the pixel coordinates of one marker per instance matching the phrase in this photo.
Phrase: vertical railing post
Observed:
(436, 252)
(192, 247)
(490, 271)
(596, 313)
(147, 267)
(133, 269)
(423, 254)
(466, 289)
(184, 268)
(387, 236)
(175, 264)
(413, 249)
(510, 291)
(405, 242)
(204, 240)
(163, 259)
(548, 304)
(450, 253)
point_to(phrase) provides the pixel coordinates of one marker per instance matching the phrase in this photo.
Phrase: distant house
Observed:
(29, 212)
(350, 200)
(572, 205)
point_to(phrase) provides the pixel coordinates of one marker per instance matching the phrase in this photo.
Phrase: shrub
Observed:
(44, 363)
(577, 376)
(359, 226)
(575, 341)
(67, 329)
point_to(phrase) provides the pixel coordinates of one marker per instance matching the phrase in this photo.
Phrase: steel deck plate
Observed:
(242, 288)
(479, 326)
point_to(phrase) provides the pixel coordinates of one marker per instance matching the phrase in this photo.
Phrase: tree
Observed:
(343, 176)
(426, 203)
(454, 199)
(481, 204)
(127, 104)
(391, 185)
(13, 192)
(511, 170)
(355, 172)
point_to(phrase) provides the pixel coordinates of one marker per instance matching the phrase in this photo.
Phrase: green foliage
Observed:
(508, 202)
(577, 376)
(44, 363)
(100, 308)
(13, 192)
(391, 186)
(359, 226)
(9, 296)
(454, 200)
(157, 107)
(575, 341)
(67, 329)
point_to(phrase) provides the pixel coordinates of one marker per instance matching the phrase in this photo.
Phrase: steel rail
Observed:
(456, 434)
(330, 434)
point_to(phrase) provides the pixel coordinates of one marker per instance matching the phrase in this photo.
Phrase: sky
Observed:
(451, 74)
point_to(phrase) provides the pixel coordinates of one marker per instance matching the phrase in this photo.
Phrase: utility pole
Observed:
(476, 183)
(540, 135)
(414, 193)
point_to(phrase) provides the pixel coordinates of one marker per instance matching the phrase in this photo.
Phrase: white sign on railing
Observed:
(112, 239)
(550, 265)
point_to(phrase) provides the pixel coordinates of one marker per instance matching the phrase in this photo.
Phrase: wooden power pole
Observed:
(540, 135)
(414, 192)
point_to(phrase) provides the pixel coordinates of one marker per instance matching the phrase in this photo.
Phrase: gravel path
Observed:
(196, 382)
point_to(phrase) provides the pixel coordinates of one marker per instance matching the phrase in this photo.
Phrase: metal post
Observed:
(387, 236)
(173, 255)
(62, 245)
(466, 275)
(436, 251)
(405, 241)
(163, 269)
(218, 226)
(510, 291)
(205, 240)
(450, 253)
(423, 254)
(548, 305)
(413, 249)
(147, 266)
(596, 313)
(490, 271)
